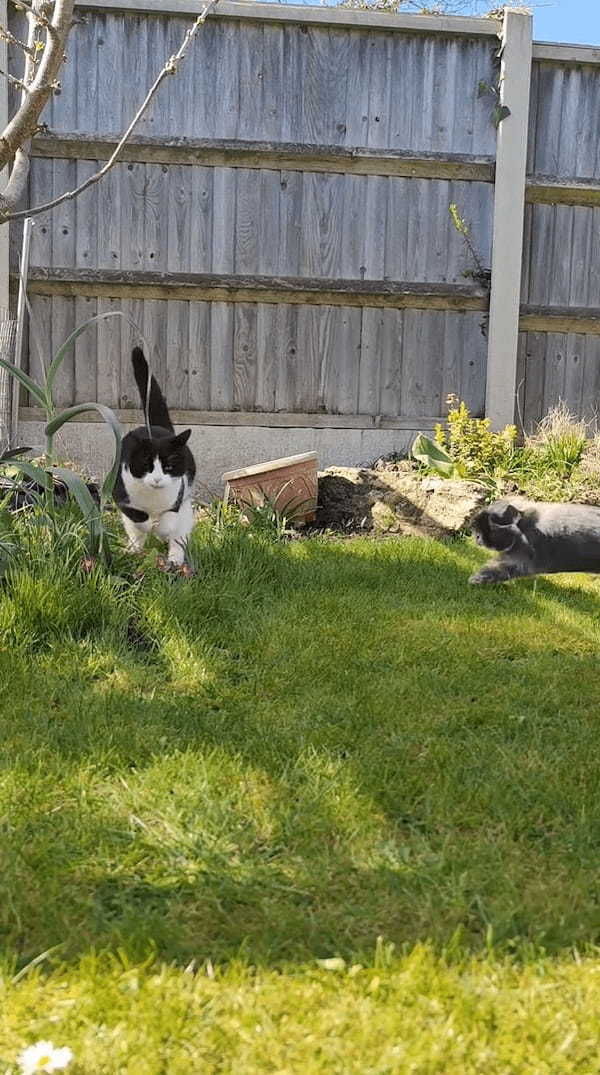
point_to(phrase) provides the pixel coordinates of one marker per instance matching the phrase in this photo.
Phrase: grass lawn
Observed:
(324, 809)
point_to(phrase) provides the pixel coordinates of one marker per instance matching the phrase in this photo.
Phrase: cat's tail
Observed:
(154, 404)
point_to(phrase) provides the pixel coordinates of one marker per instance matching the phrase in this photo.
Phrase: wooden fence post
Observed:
(509, 206)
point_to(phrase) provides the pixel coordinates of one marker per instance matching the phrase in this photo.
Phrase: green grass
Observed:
(207, 788)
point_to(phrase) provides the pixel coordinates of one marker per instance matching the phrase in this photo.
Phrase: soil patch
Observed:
(393, 499)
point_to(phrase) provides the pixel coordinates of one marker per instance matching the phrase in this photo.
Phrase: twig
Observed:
(13, 81)
(6, 35)
(22, 6)
(170, 68)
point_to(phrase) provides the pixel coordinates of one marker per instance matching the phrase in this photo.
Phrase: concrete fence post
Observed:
(509, 207)
(4, 175)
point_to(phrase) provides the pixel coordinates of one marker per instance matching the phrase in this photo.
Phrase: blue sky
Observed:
(573, 21)
(576, 22)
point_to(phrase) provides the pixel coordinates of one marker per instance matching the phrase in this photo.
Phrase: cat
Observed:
(537, 539)
(156, 474)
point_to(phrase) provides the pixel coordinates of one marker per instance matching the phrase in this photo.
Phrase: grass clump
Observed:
(216, 795)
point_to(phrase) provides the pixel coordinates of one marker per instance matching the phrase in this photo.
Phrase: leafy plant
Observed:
(480, 273)
(499, 111)
(45, 477)
(44, 393)
(265, 515)
(558, 462)
(473, 445)
(434, 457)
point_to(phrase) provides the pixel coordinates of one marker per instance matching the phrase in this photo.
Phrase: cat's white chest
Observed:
(155, 501)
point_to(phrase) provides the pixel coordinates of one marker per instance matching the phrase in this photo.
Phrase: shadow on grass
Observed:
(308, 747)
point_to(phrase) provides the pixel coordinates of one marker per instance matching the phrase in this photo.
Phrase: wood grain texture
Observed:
(421, 387)
(285, 345)
(566, 103)
(244, 373)
(340, 380)
(560, 319)
(259, 155)
(178, 355)
(590, 390)
(181, 224)
(62, 325)
(391, 363)
(221, 356)
(107, 334)
(301, 290)
(39, 354)
(530, 378)
(154, 325)
(201, 210)
(199, 356)
(256, 418)
(371, 355)
(88, 384)
(268, 357)
(132, 335)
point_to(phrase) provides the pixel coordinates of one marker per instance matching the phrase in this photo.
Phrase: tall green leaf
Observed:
(111, 420)
(32, 471)
(33, 388)
(62, 351)
(88, 507)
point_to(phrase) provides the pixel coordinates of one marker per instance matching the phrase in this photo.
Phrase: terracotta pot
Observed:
(290, 484)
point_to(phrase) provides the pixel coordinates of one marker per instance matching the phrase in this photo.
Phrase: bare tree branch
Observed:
(13, 81)
(5, 35)
(16, 185)
(170, 68)
(40, 82)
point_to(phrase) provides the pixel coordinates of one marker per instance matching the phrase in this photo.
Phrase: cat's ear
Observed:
(503, 519)
(504, 514)
(182, 438)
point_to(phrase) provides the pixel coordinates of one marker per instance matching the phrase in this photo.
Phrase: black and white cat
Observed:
(537, 539)
(154, 485)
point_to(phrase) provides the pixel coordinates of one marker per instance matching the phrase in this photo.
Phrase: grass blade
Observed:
(89, 509)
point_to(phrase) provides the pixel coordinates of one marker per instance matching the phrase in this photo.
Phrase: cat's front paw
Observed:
(186, 571)
(488, 575)
(171, 567)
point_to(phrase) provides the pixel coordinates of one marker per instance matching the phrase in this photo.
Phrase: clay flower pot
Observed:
(290, 485)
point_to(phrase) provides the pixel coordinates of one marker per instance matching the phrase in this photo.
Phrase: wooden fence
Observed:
(279, 230)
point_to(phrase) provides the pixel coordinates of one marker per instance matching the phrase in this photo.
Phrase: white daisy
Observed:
(44, 1057)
